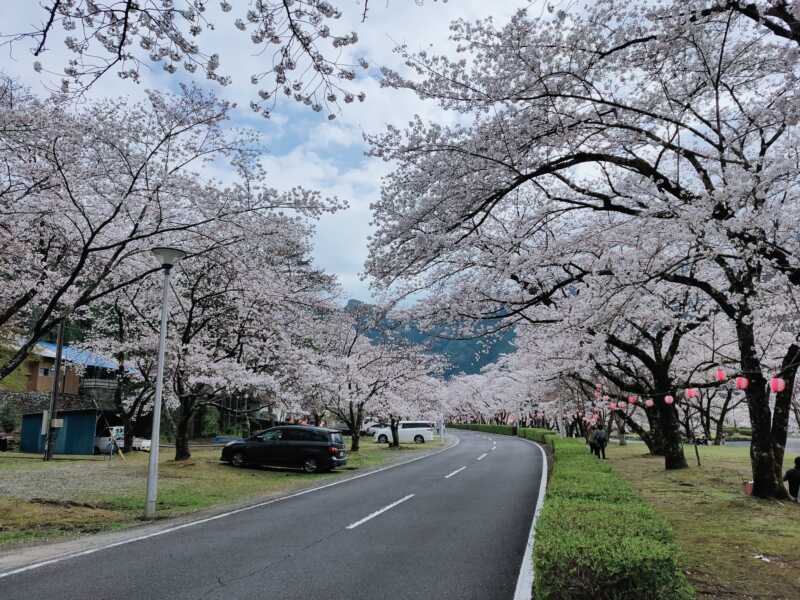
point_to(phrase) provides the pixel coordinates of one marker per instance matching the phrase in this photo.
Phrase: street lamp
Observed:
(167, 257)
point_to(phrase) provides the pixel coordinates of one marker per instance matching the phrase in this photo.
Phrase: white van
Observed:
(418, 432)
(108, 439)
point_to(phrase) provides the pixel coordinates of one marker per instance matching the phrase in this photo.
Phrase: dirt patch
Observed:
(26, 520)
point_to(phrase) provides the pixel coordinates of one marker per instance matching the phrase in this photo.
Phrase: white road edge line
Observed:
(379, 512)
(456, 472)
(140, 538)
(482, 456)
(524, 588)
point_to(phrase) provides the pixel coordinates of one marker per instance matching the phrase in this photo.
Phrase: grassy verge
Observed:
(597, 538)
(77, 495)
(724, 535)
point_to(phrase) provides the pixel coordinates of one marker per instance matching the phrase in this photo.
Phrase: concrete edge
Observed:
(524, 589)
(20, 560)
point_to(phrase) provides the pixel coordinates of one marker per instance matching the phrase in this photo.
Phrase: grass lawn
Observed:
(85, 494)
(720, 530)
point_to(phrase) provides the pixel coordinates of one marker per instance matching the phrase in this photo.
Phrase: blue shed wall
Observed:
(75, 437)
(31, 434)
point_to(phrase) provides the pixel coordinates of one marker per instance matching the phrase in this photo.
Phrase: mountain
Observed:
(465, 356)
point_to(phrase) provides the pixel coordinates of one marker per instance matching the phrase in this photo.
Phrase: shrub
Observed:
(9, 416)
(596, 538)
(578, 562)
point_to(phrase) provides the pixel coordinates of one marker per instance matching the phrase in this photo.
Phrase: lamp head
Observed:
(168, 256)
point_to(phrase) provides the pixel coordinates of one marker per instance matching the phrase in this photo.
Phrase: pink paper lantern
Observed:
(720, 374)
(692, 393)
(649, 403)
(777, 384)
(668, 400)
(742, 383)
(632, 400)
(612, 406)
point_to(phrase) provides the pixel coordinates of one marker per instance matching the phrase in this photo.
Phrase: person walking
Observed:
(792, 476)
(600, 441)
(590, 440)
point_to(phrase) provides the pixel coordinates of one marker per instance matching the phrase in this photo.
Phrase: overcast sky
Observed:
(304, 148)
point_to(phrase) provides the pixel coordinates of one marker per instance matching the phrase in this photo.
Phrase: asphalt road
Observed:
(405, 533)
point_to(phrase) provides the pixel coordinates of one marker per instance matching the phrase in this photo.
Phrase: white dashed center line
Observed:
(456, 472)
(378, 512)
(482, 456)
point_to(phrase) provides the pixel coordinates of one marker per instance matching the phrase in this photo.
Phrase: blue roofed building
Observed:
(89, 380)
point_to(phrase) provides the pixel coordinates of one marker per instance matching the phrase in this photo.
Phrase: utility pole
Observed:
(51, 410)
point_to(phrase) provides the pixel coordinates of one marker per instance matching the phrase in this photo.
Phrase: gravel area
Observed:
(80, 480)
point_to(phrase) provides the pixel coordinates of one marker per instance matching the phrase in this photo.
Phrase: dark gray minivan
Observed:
(298, 446)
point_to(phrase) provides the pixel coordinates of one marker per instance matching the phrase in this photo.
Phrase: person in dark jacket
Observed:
(793, 478)
(600, 438)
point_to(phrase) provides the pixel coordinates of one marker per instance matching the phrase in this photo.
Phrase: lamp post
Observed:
(167, 257)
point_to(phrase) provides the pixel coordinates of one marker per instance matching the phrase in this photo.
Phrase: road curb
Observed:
(132, 535)
(524, 589)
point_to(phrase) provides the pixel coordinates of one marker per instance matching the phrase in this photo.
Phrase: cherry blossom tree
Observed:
(363, 369)
(662, 139)
(89, 189)
(242, 296)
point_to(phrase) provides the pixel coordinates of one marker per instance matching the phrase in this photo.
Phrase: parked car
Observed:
(369, 427)
(298, 446)
(108, 439)
(224, 439)
(418, 432)
(342, 428)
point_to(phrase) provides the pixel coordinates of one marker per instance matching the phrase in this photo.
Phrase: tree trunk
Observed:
(182, 435)
(720, 432)
(667, 433)
(783, 402)
(393, 426)
(127, 444)
(766, 479)
(356, 416)
(705, 414)
(646, 436)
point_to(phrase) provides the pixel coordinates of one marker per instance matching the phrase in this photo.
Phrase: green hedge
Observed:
(501, 429)
(543, 436)
(595, 537)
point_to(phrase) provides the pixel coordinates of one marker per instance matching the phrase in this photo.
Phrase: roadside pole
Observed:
(50, 415)
(168, 257)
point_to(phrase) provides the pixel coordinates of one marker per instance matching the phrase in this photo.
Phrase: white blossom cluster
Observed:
(126, 36)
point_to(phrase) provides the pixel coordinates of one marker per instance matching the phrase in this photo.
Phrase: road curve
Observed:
(446, 527)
